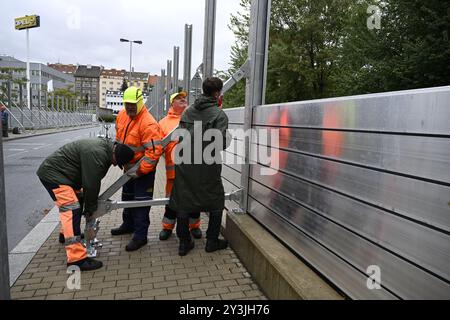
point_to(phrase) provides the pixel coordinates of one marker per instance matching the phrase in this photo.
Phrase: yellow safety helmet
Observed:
(134, 95)
(177, 94)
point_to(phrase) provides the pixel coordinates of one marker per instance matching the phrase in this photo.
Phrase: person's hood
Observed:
(204, 102)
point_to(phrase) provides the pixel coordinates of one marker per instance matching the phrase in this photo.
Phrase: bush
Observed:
(107, 118)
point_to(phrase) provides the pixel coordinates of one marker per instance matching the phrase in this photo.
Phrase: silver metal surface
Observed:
(418, 156)
(419, 200)
(176, 67)
(423, 111)
(169, 88)
(340, 273)
(399, 276)
(235, 116)
(187, 58)
(243, 71)
(209, 38)
(365, 181)
(258, 52)
(419, 244)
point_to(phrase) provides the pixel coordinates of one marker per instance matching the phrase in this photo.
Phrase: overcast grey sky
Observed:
(88, 31)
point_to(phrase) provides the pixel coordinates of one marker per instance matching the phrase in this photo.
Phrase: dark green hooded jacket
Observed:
(79, 164)
(198, 187)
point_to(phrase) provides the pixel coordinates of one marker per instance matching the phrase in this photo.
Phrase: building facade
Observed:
(87, 84)
(140, 80)
(114, 100)
(40, 75)
(64, 68)
(111, 80)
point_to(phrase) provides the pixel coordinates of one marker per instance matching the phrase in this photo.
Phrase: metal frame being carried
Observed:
(106, 205)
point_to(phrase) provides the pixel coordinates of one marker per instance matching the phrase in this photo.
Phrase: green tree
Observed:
(324, 48)
(239, 24)
(410, 50)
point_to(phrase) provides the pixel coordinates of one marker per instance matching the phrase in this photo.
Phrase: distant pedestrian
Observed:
(4, 117)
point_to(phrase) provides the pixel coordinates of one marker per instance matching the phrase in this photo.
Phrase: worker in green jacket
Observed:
(198, 186)
(78, 168)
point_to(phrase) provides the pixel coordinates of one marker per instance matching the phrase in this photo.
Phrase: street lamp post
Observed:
(131, 53)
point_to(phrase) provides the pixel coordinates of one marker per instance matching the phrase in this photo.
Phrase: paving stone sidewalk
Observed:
(156, 272)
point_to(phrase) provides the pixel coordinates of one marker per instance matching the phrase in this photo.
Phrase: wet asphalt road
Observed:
(27, 202)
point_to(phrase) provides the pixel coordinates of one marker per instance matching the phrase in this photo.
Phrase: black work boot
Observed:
(87, 264)
(216, 244)
(121, 231)
(165, 234)
(196, 233)
(135, 245)
(185, 247)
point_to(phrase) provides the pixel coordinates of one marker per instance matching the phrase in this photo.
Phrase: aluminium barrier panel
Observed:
(362, 182)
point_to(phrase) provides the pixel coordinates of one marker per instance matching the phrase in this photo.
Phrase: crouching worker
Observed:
(80, 165)
(198, 184)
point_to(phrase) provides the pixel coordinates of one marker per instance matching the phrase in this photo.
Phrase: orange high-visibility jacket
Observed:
(143, 135)
(167, 124)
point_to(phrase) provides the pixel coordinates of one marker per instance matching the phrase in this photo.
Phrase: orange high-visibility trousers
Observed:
(70, 216)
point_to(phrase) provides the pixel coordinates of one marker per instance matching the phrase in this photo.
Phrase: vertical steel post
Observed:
(256, 82)
(162, 95)
(209, 38)
(131, 57)
(176, 67)
(28, 70)
(156, 106)
(187, 59)
(4, 261)
(169, 89)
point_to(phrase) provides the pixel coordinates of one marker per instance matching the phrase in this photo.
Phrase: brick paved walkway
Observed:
(154, 272)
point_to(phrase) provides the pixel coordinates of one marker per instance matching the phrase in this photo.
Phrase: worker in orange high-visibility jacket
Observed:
(178, 104)
(136, 128)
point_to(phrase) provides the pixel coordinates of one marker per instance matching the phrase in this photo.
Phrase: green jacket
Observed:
(79, 164)
(198, 187)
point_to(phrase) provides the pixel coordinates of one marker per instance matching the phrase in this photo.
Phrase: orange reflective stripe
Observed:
(65, 196)
(75, 252)
(168, 226)
(67, 224)
(194, 225)
(66, 200)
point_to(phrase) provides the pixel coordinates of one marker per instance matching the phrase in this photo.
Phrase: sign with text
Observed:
(27, 22)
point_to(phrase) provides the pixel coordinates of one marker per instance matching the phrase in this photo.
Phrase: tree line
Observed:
(328, 48)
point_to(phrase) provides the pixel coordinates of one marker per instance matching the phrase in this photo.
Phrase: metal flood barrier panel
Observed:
(363, 184)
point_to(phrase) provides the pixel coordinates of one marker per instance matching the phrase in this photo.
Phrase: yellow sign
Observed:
(27, 22)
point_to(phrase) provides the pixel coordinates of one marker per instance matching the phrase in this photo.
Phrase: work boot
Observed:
(62, 239)
(121, 231)
(185, 247)
(216, 244)
(165, 234)
(135, 245)
(196, 233)
(87, 264)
